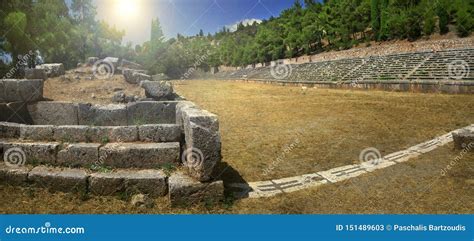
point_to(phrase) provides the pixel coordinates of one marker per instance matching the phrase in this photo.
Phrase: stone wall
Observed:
(64, 146)
(451, 87)
(13, 90)
(65, 113)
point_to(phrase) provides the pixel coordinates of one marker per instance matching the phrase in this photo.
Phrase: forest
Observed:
(55, 32)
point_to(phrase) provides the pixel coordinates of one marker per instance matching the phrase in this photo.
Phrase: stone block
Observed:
(59, 179)
(102, 115)
(30, 90)
(73, 133)
(130, 155)
(36, 132)
(21, 90)
(15, 112)
(10, 90)
(35, 153)
(106, 134)
(79, 155)
(53, 70)
(151, 182)
(151, 112)
(2, 92)
(36, 74)
(10, 130)
(203, 142)
(15, 176)
(185, 191)
(159, 133)
(158, 90)
(131, 76)
(54, 113)
(464, 139)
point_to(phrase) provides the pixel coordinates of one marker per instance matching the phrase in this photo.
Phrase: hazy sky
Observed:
(183, 16)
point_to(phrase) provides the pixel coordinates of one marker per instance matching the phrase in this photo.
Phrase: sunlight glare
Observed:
(127, 7)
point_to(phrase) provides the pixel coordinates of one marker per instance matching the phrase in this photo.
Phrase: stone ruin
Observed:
(157, 148)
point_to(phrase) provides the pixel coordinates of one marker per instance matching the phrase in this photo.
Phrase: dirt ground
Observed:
(326, 128)
(76, 87)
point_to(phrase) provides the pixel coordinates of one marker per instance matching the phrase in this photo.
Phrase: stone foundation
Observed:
(107, 149)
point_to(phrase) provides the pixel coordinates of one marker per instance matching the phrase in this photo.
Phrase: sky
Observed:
(183, 16)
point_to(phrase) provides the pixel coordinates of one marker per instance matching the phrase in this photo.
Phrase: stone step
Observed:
(130, 181)
(87, 155)
(179, 187)
(98, 134)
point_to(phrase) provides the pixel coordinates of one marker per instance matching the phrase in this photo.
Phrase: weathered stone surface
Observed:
(151, 112)
(54, 113)
(15, 90)
(202, 138)
(158, 90)
(15, 112)
(121, 98)
(102, 115)
(128, 155)
(59, 179)
(13, 175)
(36, 132)
(185, 191)
(139, 77)
(79, 155)
(105, 134)
(36, 74)
(113, 60)
(10, 130)
(464, 139)
(73, 133)
(131, 77)
(53, 70)
(36, 153)
(151, 182)
(159, 133)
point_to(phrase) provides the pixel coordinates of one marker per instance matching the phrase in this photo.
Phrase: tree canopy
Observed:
(70, 34)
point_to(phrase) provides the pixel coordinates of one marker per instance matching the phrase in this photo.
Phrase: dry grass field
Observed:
(327, 128)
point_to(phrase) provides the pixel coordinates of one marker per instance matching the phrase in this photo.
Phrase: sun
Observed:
(127, 7)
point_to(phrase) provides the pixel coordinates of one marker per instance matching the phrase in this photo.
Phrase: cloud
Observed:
(233, 27)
